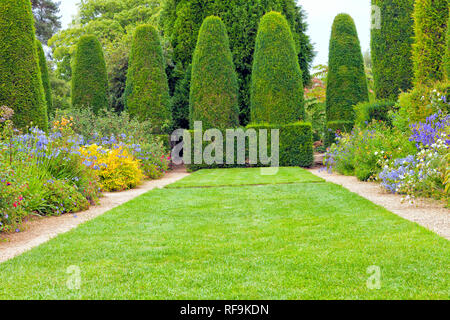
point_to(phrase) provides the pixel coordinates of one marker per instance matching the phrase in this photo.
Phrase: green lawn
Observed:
(245, 177)
(285, 241)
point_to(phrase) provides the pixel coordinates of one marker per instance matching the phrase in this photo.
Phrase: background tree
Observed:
(45, 78)
(430, 25)
(214, 87)
(447, 52)
(180, 101)
(90, 81)
(277, 86)
(147, 90)
(46, 19)
(20, 78)
(347, 84)
(391, 48)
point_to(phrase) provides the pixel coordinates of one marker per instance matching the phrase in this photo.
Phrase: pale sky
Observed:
(321, 14)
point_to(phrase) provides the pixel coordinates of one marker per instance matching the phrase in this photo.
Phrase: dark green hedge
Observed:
(391, 48)
(378, 110)
(277, 86)
(334, 127)
(296, 147)
(447, 52)
(147, 90)
(89, 77)
(214, 87)
(430, 25)
(45, 78)
(20, 77)
(347, 83)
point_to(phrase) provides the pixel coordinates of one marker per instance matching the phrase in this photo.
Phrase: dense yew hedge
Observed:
(214, 87)
(366, 112)
(391, 48)
(44, 76)
(147, 90)
(277, 87)
(347, 83)
(447, 52)
(89, 78)
(430, 25)
(20, 77)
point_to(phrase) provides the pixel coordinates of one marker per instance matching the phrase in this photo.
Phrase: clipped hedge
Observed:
(20, 77)
(89, 77)
(45, 78)
(334, 127)
(295, 148)
(447, 52)
(214, 86)
(378, 110)
(147, 91)
(276, 93)
(430, 26)
(391, 48)
(347, 84)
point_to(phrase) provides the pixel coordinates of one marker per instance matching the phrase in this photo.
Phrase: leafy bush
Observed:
(277, 86)
(378, 110)
(362, 151)
(214, 87)
(447, 53)
(45, 78)
(335, 128)
(89, 80)
(430, 26)
(147, 91)
(20, 78)
(117, 169)
(391, 48)
(347, 84)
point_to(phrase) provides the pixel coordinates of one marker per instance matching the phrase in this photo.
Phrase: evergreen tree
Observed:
(47, 21)
(214, 87)
(20, 77)
(277, 86)
(89, 79)
(45, 78)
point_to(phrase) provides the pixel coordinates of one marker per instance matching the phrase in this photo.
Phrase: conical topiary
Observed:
(277, 85)
(147, 90)
(20, 78)
(214, 87)
(89, 77)
(44, 77)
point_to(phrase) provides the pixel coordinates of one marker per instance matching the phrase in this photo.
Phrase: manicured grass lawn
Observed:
(297, 241)
(251, 176)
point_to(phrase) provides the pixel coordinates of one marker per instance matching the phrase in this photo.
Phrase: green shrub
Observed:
(89, 77)
(378, 110)
(337, 127)
(391, 48)
(45, 78)
(214, 87)
(296, 145)
(180, 101)
(447, 53)
(430, 26)
(147, 91)
(20, 78)
(277, 86)
(347, 84)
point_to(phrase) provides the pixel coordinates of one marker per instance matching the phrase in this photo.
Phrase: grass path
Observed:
(296, 241)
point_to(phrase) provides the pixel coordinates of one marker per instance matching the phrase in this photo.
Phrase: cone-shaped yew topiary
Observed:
(391, 47)
(430, 26)
(347, 83)
(277, 85)
(44, 77)
(147, 90)
(20, 78)
(214, 86)
(89, 78)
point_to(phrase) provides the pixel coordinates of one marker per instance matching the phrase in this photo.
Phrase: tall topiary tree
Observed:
(214, 86)
(447, 52)
(20, 78)
(277, 86)
(89, 78)
(147, 90)
(391, 48)
(347, 83)
(45, 78)
(430, 26)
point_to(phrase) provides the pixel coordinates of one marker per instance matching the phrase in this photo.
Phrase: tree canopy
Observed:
(46, 19)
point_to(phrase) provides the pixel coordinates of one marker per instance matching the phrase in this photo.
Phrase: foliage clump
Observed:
(45, 78)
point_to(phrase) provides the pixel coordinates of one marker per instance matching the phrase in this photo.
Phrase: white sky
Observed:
(321, 14)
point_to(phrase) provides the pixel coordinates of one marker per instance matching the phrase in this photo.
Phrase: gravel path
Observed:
(428, 213)
(41, 230)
